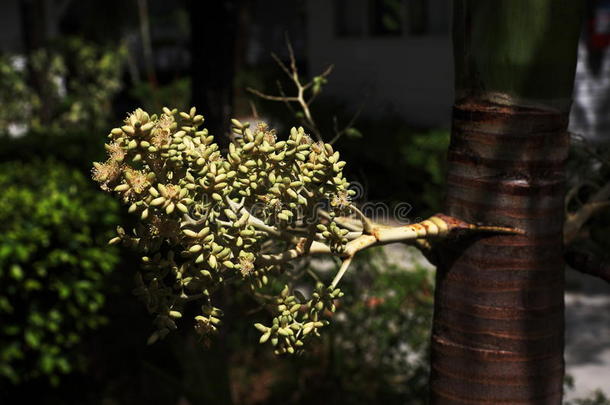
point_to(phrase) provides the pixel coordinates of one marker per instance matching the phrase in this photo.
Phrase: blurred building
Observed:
(590, 116)
(395, 54)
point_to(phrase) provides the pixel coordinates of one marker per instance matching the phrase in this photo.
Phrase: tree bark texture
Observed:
(499, 314)
(498, 330)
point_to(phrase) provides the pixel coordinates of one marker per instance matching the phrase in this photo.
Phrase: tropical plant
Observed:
(52, 267)
(209, 219)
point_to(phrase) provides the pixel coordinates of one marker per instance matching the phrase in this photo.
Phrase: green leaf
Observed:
(352, 132)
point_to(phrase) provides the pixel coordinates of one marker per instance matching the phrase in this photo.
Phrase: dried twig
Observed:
(306, 94)
(350, 124)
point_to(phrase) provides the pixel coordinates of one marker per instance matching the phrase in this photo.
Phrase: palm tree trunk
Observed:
(498, 332)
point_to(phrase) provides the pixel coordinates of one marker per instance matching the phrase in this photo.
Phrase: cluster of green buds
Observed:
(335, 235)
(298, 318)
(206, 217)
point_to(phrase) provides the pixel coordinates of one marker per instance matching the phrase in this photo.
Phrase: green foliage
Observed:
(374, 351)
(426, 151)
(16, 97)
(52, 266)
(57, 100)
(380, 345)
(65, 87)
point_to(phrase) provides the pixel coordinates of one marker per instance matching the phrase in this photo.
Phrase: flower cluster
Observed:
(206, 218)
(297, 318)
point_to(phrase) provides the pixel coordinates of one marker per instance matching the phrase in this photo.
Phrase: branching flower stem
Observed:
(422, 235)
(367, 224)
(344, 222)
(238, 208)
(344, 266)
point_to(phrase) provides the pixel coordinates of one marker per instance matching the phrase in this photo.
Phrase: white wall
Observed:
(411, 76)
(590, 115)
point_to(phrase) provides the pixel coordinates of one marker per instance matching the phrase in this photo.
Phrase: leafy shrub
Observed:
(381, 341)
(65, 87)
(375, 351)
(53, 259)
(56, 102)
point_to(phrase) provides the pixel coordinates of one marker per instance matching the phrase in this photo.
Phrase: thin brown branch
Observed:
(329, 69)
(308, 117)
(253, 109)
(270, 97)
(367, 224)
(280, 89)
(344, 266)
(293, 73)
(324, 74)
(293, 61)
(352, 121)
(281, 65)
